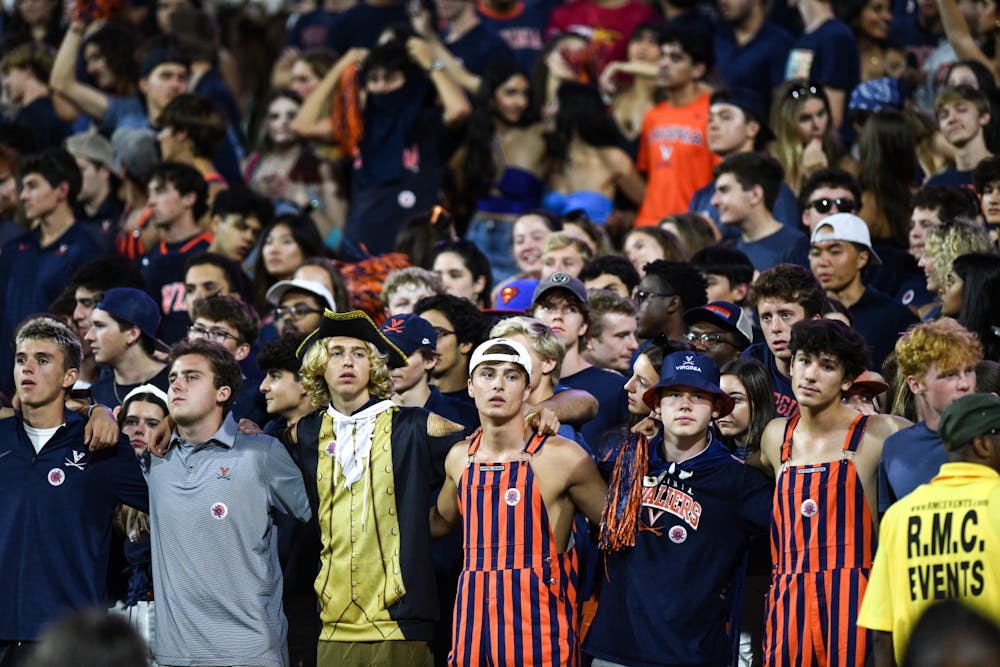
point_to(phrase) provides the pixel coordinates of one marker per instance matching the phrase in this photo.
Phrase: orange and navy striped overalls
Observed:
(516, 602)
(822, 544)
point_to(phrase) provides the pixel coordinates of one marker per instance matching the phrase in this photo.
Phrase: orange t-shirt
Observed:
(674, 154)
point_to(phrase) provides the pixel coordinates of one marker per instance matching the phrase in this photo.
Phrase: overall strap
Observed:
(786, 445)
(534, 444)
(474, 445)
(855, 433)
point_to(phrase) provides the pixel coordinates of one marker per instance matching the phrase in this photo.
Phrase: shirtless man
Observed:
(825, 461)
(520, 484)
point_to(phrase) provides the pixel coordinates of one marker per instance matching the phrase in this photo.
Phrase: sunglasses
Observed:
(843, 204)
(804, 91)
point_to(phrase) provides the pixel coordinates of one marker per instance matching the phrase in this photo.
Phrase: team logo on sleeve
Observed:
(219, 511)
(512, 497)
(56, 477)
(809, 508)
(678, 534)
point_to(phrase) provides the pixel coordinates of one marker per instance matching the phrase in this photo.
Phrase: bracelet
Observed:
(96, 405)
(436, 66)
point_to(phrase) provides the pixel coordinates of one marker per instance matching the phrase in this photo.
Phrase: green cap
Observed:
(968, 417)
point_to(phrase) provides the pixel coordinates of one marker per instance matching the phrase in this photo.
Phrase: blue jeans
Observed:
(496, 239)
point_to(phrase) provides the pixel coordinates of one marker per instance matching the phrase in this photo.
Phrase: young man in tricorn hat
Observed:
(689, 503)
(369, 466)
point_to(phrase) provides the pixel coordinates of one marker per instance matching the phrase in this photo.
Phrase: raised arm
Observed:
(572, 406)
(312, 121)
(453, 99)
(63, 81)
(956, 29)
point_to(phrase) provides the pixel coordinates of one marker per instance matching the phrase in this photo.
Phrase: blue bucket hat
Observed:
(409, 332)
(134, 307)
(693, 370)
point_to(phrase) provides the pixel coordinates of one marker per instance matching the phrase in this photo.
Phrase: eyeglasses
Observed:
(89, 302)
(443, 332)
(807, 90)
(709, 339)
(824, 204)
(641, 296)
(218, 335)
(296, 311)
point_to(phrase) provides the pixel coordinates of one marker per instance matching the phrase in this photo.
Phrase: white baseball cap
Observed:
(522, 358)
(845, 227)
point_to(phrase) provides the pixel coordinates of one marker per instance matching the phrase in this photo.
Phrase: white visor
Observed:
(522, 358)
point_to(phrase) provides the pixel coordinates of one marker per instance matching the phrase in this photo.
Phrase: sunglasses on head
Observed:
(843, 204)
(806, 90)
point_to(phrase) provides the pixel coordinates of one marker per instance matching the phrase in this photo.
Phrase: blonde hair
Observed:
(788, 147)
(314, 368)
(542, 339)
(411, 276)
(951, 239)
(943, 342)
(560, 240)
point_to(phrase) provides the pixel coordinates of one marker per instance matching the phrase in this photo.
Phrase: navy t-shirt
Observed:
(459, 411)
(40, 118)
(522, 29)
(828, 55)
(910, 457)
(478, 47)
(31, 277)
(880, 319)
(785, 403)
(361, 25)
(787, 245)
(107, 392)
(786, 209)
(759, 65)
(163, 272)
(951, 177)
(608, 388)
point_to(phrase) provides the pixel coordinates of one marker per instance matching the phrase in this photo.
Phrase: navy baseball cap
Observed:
(726, 315)
(409, 332)
(561, 281)
(751, 103)
(135, 307)
(693, 370)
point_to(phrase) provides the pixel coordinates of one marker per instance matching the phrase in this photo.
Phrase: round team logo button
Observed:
(809, 508)
(56, 476)
(907, 297)
(512, 497)
(678, 534)
(331, 448)
(219, 511)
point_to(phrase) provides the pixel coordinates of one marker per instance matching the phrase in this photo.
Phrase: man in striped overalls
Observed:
(516, 493)
(825, 461)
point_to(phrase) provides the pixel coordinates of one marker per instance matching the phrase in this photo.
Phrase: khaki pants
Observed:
(374, 654)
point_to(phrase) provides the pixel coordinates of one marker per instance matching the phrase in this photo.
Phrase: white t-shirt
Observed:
(40, 436)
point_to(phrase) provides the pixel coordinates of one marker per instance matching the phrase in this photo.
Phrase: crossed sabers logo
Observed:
(77, 460)
(223, 474)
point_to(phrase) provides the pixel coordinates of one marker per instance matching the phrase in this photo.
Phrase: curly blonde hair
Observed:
(943, 342)
(314, 368)
(951, 239)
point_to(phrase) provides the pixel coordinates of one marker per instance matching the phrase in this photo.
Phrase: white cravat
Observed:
(353, 435)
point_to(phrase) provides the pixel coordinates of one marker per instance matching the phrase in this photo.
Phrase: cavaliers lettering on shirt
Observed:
(163, 271)
(674, 154)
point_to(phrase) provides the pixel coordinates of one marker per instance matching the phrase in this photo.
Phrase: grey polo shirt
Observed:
(216, 576)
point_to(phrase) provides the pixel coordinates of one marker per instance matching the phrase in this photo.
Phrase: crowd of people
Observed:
(506, 332)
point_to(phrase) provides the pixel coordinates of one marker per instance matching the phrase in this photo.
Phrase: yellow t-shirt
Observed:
(940, 542)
